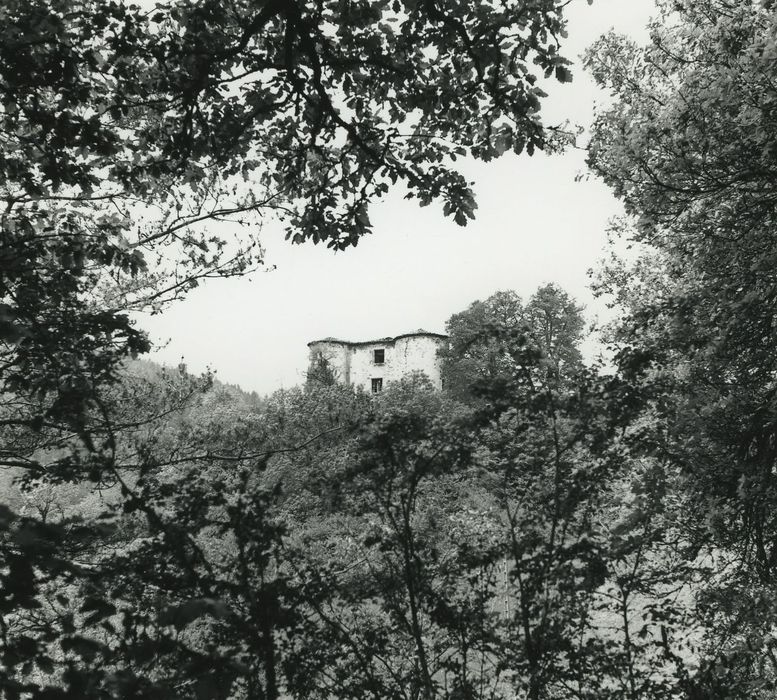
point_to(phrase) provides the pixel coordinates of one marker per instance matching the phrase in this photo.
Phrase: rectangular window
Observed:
(379, 356)
(377, 385)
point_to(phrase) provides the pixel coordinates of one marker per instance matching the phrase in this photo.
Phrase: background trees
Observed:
(499, 339)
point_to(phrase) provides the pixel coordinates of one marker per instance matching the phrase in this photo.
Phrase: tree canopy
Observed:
(497, 339)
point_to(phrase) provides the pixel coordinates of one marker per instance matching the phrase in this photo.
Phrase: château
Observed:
(372, 364)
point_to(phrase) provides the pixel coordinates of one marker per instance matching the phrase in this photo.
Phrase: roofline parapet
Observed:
(379, 341)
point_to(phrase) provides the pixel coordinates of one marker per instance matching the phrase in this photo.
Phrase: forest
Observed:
(547, 526)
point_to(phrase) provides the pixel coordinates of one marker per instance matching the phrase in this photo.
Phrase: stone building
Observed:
(372, 364)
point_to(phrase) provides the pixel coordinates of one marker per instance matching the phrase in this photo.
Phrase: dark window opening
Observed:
(377, 385)
(379, 356)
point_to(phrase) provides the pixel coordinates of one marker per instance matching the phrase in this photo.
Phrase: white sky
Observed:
(534, 225)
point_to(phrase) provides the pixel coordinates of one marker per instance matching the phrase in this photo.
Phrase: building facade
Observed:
(372, 364)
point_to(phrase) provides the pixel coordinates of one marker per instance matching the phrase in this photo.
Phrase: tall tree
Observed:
(493, 339)
(688, 143)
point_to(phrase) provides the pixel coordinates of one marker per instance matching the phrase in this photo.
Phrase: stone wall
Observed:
(414, 353)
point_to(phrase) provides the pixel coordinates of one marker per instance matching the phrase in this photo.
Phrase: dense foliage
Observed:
(323, 543)
(689, 145)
